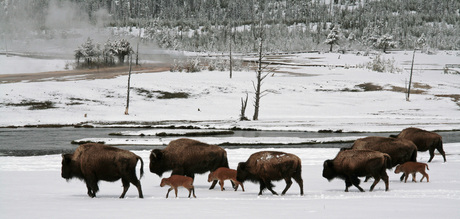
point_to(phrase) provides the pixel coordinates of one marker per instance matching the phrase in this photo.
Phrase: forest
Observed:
(287, 25)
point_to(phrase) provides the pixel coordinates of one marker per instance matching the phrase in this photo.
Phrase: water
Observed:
(42, 141)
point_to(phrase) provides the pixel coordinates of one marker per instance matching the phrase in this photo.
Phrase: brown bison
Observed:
(424, 140)
(351, 164)
(222, 174)
(187, 157)
(94, 162)
(412, 168)
(265, 166)
(176, 181)
(400, 150)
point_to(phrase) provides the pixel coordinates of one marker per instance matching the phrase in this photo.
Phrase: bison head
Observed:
(156, 156)
(241, 172)
(69, 168)
(398, 169)
(328, 170)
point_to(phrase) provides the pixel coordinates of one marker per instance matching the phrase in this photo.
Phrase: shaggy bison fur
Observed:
(424, 140)
(400, 150)
(94, 162)
(188, 157)
(351, 164)
(265, 166)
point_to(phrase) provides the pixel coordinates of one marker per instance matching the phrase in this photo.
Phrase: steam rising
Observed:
(54, 29)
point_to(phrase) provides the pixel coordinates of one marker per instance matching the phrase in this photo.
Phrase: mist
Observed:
(52, 28)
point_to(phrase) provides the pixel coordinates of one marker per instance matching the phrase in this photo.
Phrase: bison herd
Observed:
(368, 157)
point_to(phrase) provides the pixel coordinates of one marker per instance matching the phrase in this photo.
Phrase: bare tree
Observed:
(260, 75)
(244, 104)
(129, 84)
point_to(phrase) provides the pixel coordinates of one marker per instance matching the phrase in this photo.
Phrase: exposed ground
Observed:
(84, 74)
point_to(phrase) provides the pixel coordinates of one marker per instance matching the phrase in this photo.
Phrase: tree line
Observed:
(210, 25)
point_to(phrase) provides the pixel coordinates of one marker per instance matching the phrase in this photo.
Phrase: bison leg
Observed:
(125, 187)
(425, 175)
(262, 187)
(90, 192)
(269, 186)
(213, 184)
(139, 188)
(431, 154)
(175, 191)
(376, 180)
(133, 179)
(190, 190)
(413, 177)
(299, 181)
(221, 183)
(92, 186)
(385, 179)
(402, 177)
(169, 190)
(405, 178)
(347, 184)
(367, 178)
(441, 151)
(288, 185)
(242, 187)
(355, 181)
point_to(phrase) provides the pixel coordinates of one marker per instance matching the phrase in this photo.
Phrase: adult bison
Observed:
(94, 162)
(187, 157)
(400, 150)
(351, 164)
(265, 166)
(424, 140)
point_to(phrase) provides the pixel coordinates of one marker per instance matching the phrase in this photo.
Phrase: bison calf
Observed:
(351, 164)
(265, 166)
(94, 162)
(176, 181)
(411, 168)
(222, 174)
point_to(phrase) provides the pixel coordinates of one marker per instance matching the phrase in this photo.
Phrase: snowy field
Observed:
(31, 187)
(299, 99)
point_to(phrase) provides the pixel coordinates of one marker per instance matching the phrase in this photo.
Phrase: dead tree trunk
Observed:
(129, 84)
(410, 78)
(244, 104)
(259, 77)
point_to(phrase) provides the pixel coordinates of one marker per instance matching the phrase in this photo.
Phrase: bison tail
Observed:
(142, 167)
(388, 164)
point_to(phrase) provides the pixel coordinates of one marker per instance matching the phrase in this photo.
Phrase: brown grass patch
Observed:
(369, 87)
(455, 97)
(421, 86)
(404, 90)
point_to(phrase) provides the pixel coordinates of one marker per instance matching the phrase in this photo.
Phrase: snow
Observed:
(17, 65)
(300, 98)
(32, 187)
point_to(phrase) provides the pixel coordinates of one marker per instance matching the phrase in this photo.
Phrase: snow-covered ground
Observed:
(299, 98)
(13, 64)
(31, 187)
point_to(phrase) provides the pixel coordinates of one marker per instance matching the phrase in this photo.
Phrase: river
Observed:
(43, 141)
